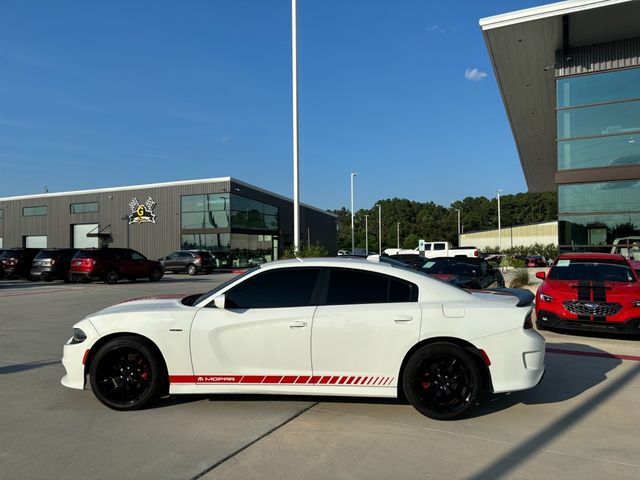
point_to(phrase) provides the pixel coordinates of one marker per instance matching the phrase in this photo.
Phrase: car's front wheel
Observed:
(442, 381)
(126, 374)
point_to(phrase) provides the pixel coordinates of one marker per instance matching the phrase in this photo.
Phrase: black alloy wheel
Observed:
(156, 275)
(111, 277)
(126, 374)
(442, 381)
(192, 269)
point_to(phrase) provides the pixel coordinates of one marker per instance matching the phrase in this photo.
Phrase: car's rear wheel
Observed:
(126, 374)
(156, 275)
(111, 277)
(192, 269)
(442, 381)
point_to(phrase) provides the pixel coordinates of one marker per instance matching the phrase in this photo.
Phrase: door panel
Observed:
(367, 341)
(249, 344)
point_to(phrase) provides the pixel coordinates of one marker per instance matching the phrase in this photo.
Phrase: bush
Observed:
(549, 251)
(512, 262)
(315, 250)
(520, 279)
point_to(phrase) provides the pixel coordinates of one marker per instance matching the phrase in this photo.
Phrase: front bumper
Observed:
(74, 354)
(546, 319)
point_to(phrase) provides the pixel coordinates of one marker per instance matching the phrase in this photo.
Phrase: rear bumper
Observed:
(546, 319)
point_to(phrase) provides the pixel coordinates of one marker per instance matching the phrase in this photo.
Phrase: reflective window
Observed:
(577, 231)
(34, 211)
(619, 196)
(205, 211)
(609, 119)
(252, 214)
(282, 288)
(205, 241)
(599, 152)
(87, 207)
(600, 87)
(251, 250)
(349, 287)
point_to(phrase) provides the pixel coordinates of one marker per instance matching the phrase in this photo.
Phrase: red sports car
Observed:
(589, 291)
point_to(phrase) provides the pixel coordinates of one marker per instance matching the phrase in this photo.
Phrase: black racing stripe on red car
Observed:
(599, 292)
(584, 290)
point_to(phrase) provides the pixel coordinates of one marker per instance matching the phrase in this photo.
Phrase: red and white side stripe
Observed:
(283, 380)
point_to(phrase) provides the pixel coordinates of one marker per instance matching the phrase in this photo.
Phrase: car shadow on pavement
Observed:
(23, 367)
(571, 369)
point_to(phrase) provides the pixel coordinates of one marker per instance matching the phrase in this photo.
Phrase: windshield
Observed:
(594, 270)
(224, 285)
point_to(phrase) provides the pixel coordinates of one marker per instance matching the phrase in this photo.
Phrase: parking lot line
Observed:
(49, 290)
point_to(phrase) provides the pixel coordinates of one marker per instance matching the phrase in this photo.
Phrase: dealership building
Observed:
(240, 222)
(569, 76)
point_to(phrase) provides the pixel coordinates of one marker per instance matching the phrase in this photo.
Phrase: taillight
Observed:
(11, 262)
(88, 262)
(475, 253)
(197, 259)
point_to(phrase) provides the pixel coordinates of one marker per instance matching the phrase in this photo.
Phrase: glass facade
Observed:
(222, 223)
(598, 126)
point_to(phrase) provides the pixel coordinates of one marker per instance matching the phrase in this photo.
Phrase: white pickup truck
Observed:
(436, 249)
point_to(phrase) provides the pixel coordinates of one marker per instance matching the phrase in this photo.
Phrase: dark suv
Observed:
(52, 264)
(17, 261)
(190, 261)
(112, 264)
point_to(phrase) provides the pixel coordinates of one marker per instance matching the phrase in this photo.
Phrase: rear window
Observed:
(204, 253)
(46, 254)
(591, 269)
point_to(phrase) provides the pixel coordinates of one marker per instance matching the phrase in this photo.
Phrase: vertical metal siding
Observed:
(597, 58)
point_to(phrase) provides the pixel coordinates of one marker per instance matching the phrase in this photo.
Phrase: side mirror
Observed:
(541, 275)
(219, 301)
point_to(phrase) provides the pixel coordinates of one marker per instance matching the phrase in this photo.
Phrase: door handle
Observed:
(297, 324)
(402, 318)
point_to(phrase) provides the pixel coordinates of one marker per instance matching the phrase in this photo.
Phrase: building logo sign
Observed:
(142, 212)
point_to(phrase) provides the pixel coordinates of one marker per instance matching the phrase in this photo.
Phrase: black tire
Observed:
(67, 279)
(192, 269)
(45, 277)
(540, 327)
(155, 275)
(132, 279)
(111, 277)
(126, 374)
(442, 381)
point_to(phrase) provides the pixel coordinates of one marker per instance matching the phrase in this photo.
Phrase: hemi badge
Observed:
(175, 329)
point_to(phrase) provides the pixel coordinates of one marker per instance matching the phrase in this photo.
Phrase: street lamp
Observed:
(458, 210)
(379, 228)
(499, 225)
(353, 242)
(366, 234)
(294, 94)
(398, 234)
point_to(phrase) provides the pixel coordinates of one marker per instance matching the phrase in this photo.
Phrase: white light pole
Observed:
(398, 234)
(353, 244)
(366, 234)
(379, 229)
(458, 210)
(499, 225)
(296, 177)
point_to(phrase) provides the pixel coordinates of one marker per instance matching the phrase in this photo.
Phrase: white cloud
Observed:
(437, 29)
(474, 74)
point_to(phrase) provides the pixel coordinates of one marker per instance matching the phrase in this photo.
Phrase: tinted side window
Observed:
(438, 246)
(291, 287)
(348, 287)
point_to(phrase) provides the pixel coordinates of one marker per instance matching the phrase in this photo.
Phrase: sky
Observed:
(98, 94)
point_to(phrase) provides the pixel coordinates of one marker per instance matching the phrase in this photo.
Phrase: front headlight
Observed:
(78, 336)
(636, 303)
(546, 298)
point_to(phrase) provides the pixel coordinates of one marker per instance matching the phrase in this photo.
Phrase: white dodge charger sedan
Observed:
(329, 326)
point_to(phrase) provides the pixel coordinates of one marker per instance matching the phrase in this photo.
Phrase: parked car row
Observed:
(72, 264)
